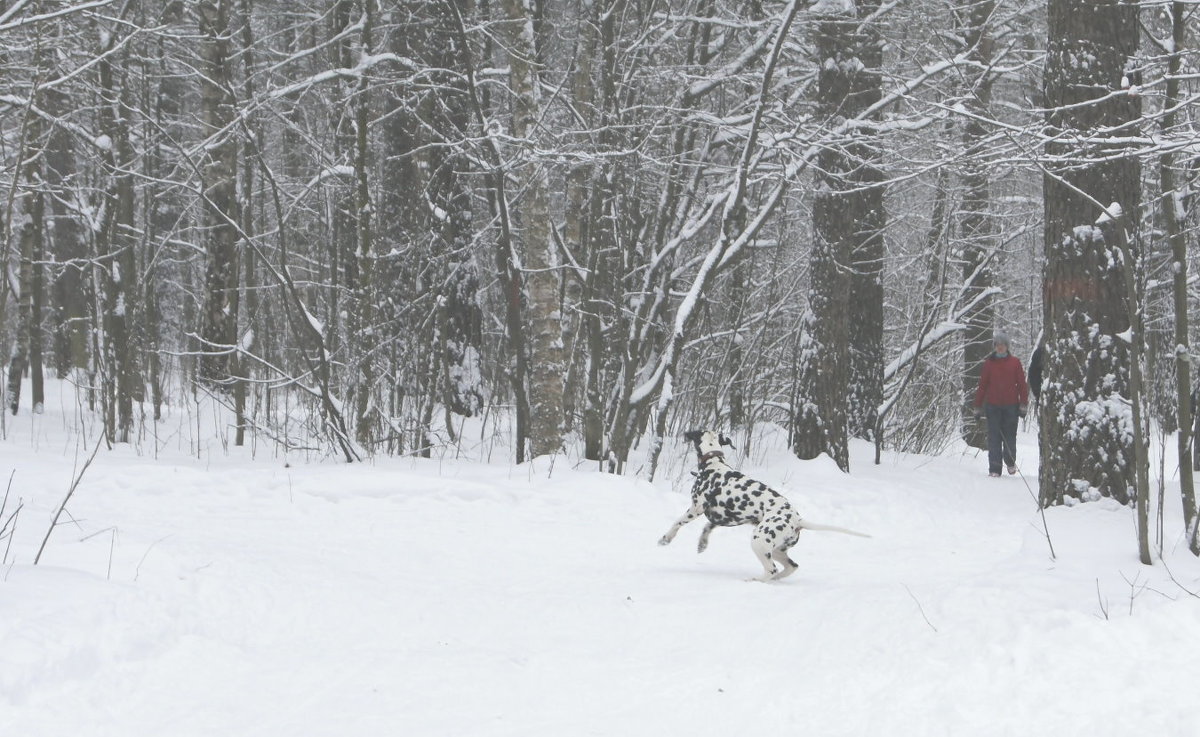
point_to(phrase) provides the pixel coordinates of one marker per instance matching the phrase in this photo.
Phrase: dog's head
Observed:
(707, 441)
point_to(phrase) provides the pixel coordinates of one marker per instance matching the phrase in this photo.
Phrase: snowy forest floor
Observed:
(224, 595)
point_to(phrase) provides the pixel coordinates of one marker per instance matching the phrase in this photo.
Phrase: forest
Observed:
(358, 224)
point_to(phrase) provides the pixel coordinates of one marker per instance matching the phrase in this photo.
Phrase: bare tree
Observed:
(218, 108)
(1174, 216)
(538, 249)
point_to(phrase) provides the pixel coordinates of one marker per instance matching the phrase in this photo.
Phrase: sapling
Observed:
(67, 498)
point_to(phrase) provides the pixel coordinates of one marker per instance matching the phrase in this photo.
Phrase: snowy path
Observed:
(426, 598)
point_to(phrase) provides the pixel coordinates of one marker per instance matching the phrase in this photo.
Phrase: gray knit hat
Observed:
(1000, 337)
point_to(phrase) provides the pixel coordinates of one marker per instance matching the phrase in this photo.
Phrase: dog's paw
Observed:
(702, 546)
(664, 540)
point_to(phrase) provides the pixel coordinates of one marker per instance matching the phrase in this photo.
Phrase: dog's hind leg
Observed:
(762, 550)
(693, 513)
(781, 556)
(702, 545)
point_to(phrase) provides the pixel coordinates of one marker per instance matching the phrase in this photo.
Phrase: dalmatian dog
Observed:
(728, 499)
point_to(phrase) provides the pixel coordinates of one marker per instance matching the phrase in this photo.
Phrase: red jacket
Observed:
(1002, 382)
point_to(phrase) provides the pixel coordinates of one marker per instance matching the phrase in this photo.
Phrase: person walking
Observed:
(1003, 396)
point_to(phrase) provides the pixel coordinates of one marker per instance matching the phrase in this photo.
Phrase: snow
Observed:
(251, 596)
(317, 326)
(833, 7)
(1177, 201)
(1113, 212)
(337, 171)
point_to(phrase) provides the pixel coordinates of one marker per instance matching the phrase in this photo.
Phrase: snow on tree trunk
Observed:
(219, 320)
(1174, 218)
(362, 305)
(117, 240)
(450, 197)
(841, 362)
(1090, 192)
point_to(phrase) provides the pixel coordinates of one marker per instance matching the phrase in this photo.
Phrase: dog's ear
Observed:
(726, 441)
(692, 436)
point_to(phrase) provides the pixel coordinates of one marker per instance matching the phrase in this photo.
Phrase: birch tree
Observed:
(538, 250)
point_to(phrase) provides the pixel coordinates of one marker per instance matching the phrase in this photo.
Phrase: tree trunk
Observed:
(30, 234)
(37, 289)
(976, 228)
(116, 241)
(544, 317)
(363, 301)
(865, 392)
(1134, 294)
(449, 114)
(1090, 193)
(837, 381)
(66, 244)
(1174, 218)
(220, 318)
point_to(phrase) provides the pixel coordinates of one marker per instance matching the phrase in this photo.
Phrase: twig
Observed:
(4, 505)
(919, 607)
(111, 544)
(1103, 603)
(67, 498)
(11, 517)
(1175, 581)
(138, 571)
(1133, 594)
(13, 532)
(1042, 512)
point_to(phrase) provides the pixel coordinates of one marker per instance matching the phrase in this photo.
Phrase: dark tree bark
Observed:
(163, 210)
(841, 384)
(602, 291)
(69, 300)
(976, 227)
(506, 260)
(864, 150)
(37, 300)
(30, 236)
(1091, 199)
(116, 243)
(448, 113)
(362, 322)
(220, 318)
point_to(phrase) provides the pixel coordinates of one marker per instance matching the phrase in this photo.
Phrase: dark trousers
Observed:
(1002, 435)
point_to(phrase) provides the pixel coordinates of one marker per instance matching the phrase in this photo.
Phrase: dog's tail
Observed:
(806, 525)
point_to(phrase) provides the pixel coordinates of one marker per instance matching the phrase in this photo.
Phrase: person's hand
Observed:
(1024, 410)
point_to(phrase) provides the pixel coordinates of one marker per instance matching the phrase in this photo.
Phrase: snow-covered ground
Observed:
(211, 593)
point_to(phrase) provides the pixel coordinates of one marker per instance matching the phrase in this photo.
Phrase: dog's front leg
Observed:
(702, 545)
(693, 513)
